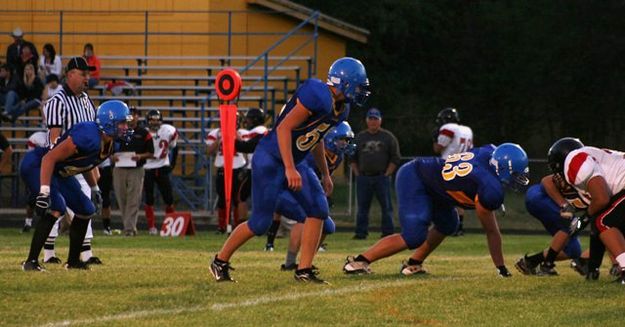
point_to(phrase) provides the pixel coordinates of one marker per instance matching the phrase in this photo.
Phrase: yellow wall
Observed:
(43, 16)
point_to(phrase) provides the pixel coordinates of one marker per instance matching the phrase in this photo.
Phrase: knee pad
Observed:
(328, 226)
(414, 235)
(448, 228)
(258, 225)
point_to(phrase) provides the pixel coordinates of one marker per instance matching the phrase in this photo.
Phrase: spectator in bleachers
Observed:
(128, 174)
(52, 87)
(14, 51)
(25, 97)
(7, 83)
(92, 61)
(49, 62)
(27, 57)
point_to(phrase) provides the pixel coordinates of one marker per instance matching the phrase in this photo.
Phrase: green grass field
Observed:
(154, 281)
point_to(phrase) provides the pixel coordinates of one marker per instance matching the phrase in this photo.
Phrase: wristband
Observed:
(44, 189)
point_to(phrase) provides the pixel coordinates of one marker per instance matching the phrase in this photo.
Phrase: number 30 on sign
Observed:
(178, 224)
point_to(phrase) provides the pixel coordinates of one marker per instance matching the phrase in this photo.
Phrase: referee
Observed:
(69, 106)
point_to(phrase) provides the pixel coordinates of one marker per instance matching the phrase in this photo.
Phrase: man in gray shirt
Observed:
(377, 157)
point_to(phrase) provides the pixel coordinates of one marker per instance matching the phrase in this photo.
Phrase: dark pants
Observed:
(366, 187)
(160, 176)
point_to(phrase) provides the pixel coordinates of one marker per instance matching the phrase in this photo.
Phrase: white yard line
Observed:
(363, 287)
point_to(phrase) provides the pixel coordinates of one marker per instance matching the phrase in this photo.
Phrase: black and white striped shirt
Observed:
(65, 109)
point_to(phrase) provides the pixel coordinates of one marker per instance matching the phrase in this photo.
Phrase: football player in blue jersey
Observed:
(305, 119)
(337, 145)
(428, 189)
(553, 202)
(51, 174)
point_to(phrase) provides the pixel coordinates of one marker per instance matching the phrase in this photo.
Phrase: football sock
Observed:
(42, 230)
(597, 250)
(291, 257)
(86, 253)
(413, 262)
(149, 215)
(273, 231)
(106, 222)
(535, 259)
(361, 258)
(77, 232)
(551, 256)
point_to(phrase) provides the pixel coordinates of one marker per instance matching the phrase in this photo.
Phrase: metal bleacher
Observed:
(182, 88)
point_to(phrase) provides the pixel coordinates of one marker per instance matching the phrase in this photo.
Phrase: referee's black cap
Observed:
(79, 63)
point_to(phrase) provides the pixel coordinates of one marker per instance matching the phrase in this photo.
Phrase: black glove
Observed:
(502, 271)
(567, 211)
(96, 198)
(578, 224)
(43, 203)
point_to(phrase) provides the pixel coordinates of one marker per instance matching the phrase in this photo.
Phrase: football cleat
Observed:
(580, 265)
(525, 267)
(502, 271)
(615, 270)
(356, 267)
(94, 261)
(408, 270)
(53, 260)
(547, 269)
(268, 247)
(285, 267)
(323, 247)
(153, 231)
(221, 271)
(107, 231)
(32, 265)
(621, 278)
(308, 275)
(77, 266)
(593, 274)
(26, 228)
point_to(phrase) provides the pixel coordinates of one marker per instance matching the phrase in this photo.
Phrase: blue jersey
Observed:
(332, 159)
(316, 97)
(463, 179)
(90, 150)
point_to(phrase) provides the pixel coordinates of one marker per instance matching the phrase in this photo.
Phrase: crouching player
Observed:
(428, 190)
(50, 173)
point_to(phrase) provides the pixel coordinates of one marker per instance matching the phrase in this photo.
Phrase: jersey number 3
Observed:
(456, 165)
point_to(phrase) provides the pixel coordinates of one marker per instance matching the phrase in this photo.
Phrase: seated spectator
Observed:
(27, 56)
(49, 62)
(52, 87)
(14, 51)
(7, 83)
(92, 61)
(26, 96)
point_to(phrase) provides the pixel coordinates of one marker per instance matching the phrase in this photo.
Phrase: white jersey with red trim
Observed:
(239, 159)
(583, 164)
(254, 132)
(454, 138)
(38, 139)
(164, 139)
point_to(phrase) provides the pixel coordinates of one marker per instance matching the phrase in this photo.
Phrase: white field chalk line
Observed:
(365, 286)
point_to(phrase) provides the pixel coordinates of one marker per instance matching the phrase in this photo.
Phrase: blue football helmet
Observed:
(109, 115)
(339, 139)
(348, 75)
(510, 163)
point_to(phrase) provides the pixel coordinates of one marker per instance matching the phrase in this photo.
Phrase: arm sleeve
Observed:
(247, 146)
(54, 112)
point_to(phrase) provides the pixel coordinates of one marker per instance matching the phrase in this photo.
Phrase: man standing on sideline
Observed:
(128, 173)
(452, 138)
(376, 158)
(68, 107)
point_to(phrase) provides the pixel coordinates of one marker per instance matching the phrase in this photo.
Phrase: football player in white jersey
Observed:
(601, 174)
(213, 141)
(158, 169)
(246, 142)
(37, 139)
(452, 138)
